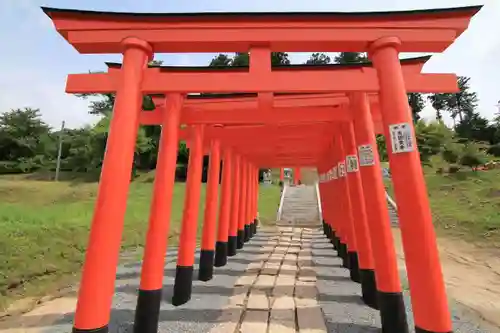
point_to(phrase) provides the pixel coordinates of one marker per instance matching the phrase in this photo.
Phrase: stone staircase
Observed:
(300, 207)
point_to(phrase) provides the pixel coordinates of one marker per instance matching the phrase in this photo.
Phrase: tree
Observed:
(81, 155)
(477, 128)
(220, 60)
(417, 104)
(451, 152)
(277, 58)
(473, 156)
(431, 138)
(240, 59)
(318, 59)
(350, 58)
(438, 103)
(459, 104)
(382, 147)
(23, 134)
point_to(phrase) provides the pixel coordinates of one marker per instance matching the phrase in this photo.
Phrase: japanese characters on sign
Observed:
(352, 163)
(341, 169)
(401, 138)
(366, 156)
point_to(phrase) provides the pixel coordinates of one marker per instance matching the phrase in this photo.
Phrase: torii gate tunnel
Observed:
(323, 116)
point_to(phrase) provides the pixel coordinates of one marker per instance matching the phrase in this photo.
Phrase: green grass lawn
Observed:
(466, 204)
(44, 229)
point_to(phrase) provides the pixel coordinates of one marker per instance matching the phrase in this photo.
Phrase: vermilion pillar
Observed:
(256, 201)
(391, 305)
(187, 240)
(224, 210)
(235, 202)
(248, 203)
(428, 295)
(242, 204)
(363, 241)
(340, 220)
(296, 176)
(207, 253)
(333, 209)
(282, 175)
(336, 226)
(99, 270)
(251, 216)
(150, 290)
(351, 257)
(323, 199)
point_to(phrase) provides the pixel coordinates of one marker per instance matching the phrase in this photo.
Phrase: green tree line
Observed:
(28, 144)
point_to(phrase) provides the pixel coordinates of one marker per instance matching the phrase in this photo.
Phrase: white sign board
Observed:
(352, 163)
(366, 156)
(341, 169)
(401, 138)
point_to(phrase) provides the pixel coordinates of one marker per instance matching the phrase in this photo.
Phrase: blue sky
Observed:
(35, 60)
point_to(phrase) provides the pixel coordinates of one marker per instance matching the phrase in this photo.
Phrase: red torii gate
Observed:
(357, 188)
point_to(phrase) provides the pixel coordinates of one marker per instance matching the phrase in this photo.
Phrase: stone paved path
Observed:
(284, 280)
(278, 291)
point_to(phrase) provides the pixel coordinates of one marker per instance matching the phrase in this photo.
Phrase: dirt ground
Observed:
(472, 275)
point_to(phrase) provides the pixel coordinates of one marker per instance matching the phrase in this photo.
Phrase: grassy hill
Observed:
(45, 227)
(465, 204)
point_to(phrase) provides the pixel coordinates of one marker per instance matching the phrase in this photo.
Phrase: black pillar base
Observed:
(345, 260)
(393, 313)
(183, 285)
(369, 287)
(354, 266)
(240, 241)
(220, 254)
(339, 249)
(421, 330)
(147, 311)
(337, 245)
(232, 242)
(92, 330)
(254, 228)
(334, 240)
(247, 233)
(324, 227)
(206, 268)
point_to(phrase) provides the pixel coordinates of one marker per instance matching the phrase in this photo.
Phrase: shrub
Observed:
(494, 150)
(451, 152)
(472, 156)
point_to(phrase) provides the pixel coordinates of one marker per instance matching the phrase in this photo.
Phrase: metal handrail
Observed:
(391, 201)
(318, 196)
(282, 199)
